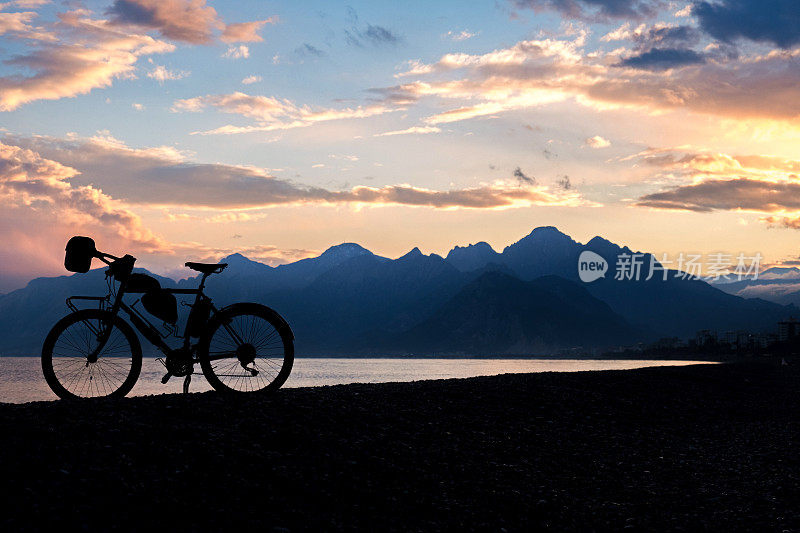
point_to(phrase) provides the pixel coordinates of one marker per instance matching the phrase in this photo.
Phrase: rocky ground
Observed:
(671, 448)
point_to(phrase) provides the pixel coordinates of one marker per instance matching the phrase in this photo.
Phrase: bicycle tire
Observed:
(65, 357)
(265, 343)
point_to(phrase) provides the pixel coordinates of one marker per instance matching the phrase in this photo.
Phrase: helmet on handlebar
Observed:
(80, 251)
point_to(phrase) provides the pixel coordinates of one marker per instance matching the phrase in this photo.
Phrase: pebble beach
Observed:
(710, 447)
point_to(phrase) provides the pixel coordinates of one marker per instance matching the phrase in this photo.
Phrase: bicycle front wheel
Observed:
(68, 356)
(247, 348)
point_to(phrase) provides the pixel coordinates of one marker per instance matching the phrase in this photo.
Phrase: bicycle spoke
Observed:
(72, 368)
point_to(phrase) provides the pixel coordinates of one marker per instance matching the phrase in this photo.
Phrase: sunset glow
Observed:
(187, 130)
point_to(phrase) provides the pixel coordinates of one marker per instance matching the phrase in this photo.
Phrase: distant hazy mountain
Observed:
(792, 273)
(527, 299)
(777, 284)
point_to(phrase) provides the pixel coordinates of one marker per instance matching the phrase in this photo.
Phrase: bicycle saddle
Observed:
(207, 268)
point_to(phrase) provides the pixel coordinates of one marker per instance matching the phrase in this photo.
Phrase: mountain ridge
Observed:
(349, 300)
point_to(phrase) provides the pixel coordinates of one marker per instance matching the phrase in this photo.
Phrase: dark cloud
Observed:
(522, 178)
(380, 35)
(372, 34)
(307, 50)
(771, 21)
(564, 183)
(730, 194)
(663, 59)
(594, 9)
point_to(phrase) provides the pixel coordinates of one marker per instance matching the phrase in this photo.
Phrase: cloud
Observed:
(659, 34)
(522, 178)
(597, 142)
(462, 35)
(24, 4)
(251, 79)
(564, 183)
(542, 71)
(663, 58)
(414, 130)
(42, 209)
(237, 52)
(190, 21)
(245, 32)
(161, 74)
(776, 21)
(307, 50)
(95, 55)
(697, 165)
(270, 113)
(791, 222)
(163, 177)
(662, 46)
(593, 10)
(18, 25)
(274, 256)
(374, 35)
(757, 183)
(727, 194)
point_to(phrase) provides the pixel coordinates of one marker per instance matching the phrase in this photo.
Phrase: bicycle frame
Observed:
(144, 326)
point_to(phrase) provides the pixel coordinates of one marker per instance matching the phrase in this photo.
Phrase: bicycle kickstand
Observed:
(186, 381)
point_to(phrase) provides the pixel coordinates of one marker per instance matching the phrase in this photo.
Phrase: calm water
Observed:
(21, 377)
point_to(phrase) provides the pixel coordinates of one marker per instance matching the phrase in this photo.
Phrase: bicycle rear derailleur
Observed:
(178, 363)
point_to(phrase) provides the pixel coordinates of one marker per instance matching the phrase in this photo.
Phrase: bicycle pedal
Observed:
(166, 378)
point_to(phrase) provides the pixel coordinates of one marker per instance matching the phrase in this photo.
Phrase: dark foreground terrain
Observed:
(703, 447)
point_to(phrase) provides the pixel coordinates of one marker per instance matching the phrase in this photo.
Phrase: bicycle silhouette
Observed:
(244, 347)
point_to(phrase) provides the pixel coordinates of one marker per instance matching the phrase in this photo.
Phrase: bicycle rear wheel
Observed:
(66, 356)
(247, 348)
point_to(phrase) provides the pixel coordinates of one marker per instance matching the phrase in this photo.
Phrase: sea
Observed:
(21, 378)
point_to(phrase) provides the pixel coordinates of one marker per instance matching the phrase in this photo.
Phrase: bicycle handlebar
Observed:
(119, 267)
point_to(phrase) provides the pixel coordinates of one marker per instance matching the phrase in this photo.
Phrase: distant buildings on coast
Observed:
(786, 339)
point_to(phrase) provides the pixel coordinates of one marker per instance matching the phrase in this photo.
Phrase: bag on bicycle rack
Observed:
(198, 317)
(161, 304)
(142, 283)
(80, 251)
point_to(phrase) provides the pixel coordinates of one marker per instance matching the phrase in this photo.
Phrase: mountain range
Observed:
(526, 300)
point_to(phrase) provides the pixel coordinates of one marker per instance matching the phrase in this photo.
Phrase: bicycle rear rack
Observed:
(100, 299)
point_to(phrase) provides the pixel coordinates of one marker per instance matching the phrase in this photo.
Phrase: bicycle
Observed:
(241, 348)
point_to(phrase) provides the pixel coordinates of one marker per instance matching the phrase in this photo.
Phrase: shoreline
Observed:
(621, 357)
(662, 448)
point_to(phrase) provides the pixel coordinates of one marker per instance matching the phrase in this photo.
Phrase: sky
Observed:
(182, 130)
